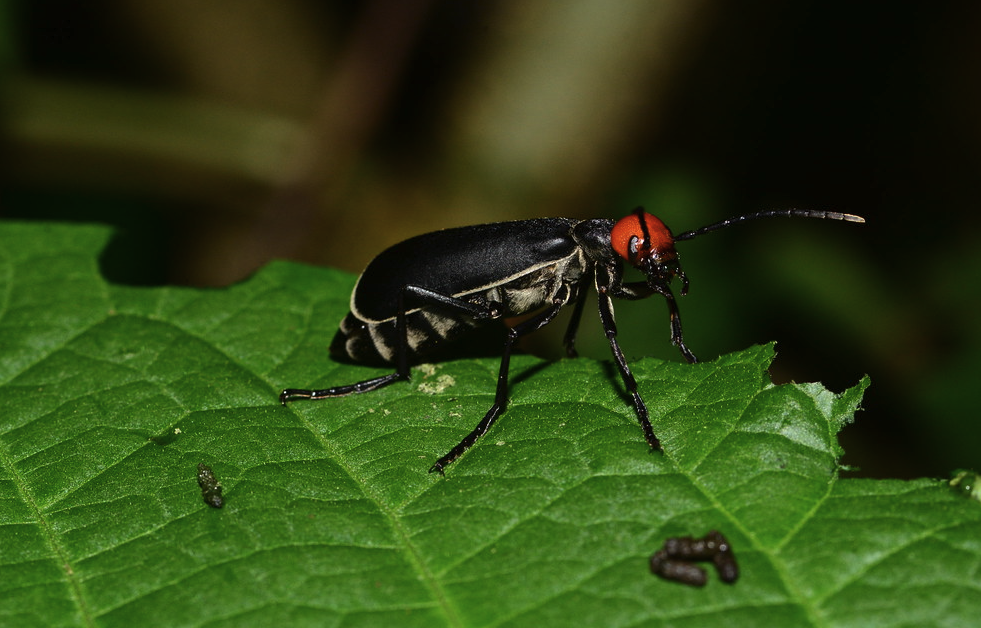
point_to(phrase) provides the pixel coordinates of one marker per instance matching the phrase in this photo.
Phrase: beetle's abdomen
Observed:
(375, 343)
(353, 342)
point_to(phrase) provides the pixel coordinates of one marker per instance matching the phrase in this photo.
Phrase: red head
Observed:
(647, 244)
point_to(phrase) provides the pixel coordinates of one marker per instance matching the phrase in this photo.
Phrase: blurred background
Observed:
(216, 136)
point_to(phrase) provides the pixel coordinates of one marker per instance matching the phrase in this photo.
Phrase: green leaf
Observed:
(113, 395)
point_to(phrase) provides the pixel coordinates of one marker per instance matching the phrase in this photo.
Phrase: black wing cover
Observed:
(458, 260)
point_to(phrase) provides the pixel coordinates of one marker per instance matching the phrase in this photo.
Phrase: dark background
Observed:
(217, 136)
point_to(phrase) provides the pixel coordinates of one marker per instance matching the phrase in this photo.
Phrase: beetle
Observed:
(431, 289)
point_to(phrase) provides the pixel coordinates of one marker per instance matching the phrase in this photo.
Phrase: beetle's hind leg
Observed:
(501, 395)
(417, 297)
(292, 394)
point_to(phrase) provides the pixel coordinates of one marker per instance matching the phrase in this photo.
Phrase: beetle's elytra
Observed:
(431, 289)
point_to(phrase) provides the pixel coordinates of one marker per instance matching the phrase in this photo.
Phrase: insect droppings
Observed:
(675, 560)
(679, 571)
(210, 486)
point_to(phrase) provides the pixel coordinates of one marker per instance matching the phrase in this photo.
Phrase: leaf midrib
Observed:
(394, 523)
(815, 617)
(51, 538)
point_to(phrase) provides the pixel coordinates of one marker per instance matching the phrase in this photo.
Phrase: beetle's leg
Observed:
(417, 296)
(610, 327)
(479, 309)
(569, 340)
(630, 291)
(292, 394)
(640, 290)
(501, 396)
(675, 318)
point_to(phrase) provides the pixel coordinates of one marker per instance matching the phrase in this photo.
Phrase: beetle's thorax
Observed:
(593, 236)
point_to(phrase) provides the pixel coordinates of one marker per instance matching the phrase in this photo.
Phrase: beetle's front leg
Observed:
(635, 290)
(675, 319)
(610, 327)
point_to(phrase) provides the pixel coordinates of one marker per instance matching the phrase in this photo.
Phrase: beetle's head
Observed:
(647, 244)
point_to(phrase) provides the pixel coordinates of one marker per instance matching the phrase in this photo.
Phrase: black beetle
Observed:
(432, 288)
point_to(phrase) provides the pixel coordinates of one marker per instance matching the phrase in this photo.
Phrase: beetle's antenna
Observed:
(771, 213)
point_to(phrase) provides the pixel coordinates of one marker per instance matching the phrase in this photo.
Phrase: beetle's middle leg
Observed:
(569, 340)
(409, 297)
